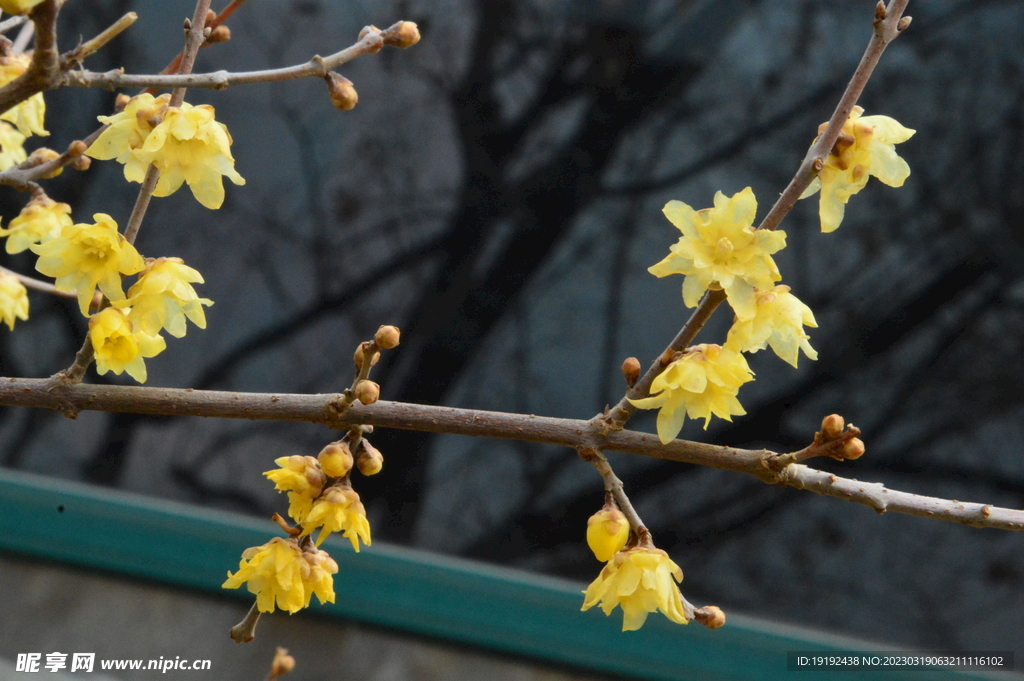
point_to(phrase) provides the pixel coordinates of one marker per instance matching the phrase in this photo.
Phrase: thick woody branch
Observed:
(889, 23)
(218, 80)
(70, 398)
(44, 68)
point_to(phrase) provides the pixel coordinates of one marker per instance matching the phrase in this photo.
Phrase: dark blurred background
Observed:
(496, 194)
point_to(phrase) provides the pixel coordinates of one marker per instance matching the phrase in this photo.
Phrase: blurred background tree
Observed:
(496, 194)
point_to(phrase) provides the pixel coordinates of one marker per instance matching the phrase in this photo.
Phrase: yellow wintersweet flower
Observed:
(720, 246)
(185, 144)
(13, 300)
(86, 256)
(119, 347)
(865, 147)
(40, 221)
(11, 150)
(338, 510)
(162, 298)
(28, 115)
(190, 146)
(127, 131)
(18, 6)
(302, 478)
(780, 321)
(639, 580)
(704, 381)
(281, 573)
(607, 532)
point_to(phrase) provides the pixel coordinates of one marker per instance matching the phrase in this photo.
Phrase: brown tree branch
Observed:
(71, 398)
(44, 68)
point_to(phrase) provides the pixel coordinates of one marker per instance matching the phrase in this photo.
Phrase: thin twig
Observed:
(44, 286)
(218, 80)
(23, 178)
(42, 393)
(95, 44)
(13, 22)
(886, 29)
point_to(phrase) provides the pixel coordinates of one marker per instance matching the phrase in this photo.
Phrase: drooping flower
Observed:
(86, 256)
(282, 574)
(18, 6)
(185, 144)
(704, 381)
(865, 147)
(779, 322)
(13, 300)
(163, 297)
(119, 347)
(607, 532)
(40, 221)
(639, 580)
(338, 510)
(28, 115)
(11, 150)
(127, 131)
(190, 146)
(302, 478)
(720, 247)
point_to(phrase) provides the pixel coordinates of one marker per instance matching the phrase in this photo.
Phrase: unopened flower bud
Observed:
(221, 34)
(341, 91)
(335, 459)
(358, 357)
(403, 34)
(387, 337)
(832, 425)
(121, 102)
(41, 156)
(282, 664)
(711, 616)
(853, 449)
(81, 163)
(631, 370)
(370, 460)
(367, 392)
(607, 532)
(902, 24)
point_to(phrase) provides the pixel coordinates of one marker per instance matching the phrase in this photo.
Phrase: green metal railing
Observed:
(403, 589)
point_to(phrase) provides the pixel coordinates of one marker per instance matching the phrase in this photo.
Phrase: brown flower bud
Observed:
(282, 664)
(81, 163)
(367, 392)
(403, 34)
(711, 616)
(370, 460)
(902, 24)
(221, 34)
(343, 94)
(387, 337)
(121, 102)
(631, 370)
(41, 156)
(336, 459)
(832, 425)
(853, 449)
(880, 10)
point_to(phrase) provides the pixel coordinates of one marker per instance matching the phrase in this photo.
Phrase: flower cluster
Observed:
(338, 510)
(865, 147)
(119, 346)
(284, 574)
(184, 143)
(640, 581)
